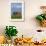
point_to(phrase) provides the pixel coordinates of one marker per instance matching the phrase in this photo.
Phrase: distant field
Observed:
(16, 15)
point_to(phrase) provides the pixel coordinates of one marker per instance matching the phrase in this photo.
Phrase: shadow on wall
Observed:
(2, 29)
(34, 22)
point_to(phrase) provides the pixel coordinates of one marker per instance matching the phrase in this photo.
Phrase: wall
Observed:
(32, 8)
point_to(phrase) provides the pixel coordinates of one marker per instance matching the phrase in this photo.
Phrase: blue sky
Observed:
(16, 7)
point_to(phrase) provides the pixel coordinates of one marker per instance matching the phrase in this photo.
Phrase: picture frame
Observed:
(17, 10)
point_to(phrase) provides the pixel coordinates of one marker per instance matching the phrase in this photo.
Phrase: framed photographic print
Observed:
(17, 11)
